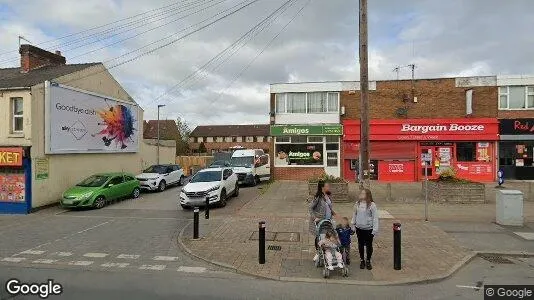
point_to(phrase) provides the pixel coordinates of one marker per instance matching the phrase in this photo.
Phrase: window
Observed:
(209, 139)
(283, 139)
(234, 139)
(239, 139)
(17, 124)
(516, 97)
(299, 139)
(264, 160)
(259, 139)
(466, 151)
(176, 167)
(332, 139)
(315, 139)
(228, 139)
(299, 154)
(249, 139)
(219, 139)
(331, 159)
(200, 139)
(316, 102)
(116, 180)
(129, 178)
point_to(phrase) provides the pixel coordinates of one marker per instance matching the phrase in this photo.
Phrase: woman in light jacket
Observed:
(320, 209)
(365, 219)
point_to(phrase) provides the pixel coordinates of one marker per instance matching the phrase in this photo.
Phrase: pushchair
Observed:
(322, 228)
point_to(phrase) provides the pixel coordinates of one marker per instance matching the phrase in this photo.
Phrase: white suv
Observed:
(215, 183)
(158, 177)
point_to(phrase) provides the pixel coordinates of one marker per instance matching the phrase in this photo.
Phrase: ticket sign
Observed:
(11, 157)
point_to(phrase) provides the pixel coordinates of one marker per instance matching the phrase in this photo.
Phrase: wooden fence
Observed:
(191, 164)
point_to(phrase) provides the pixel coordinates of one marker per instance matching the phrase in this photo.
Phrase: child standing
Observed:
(330, 244)
(344, 231)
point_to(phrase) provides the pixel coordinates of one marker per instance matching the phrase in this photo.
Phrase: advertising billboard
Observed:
(79, 121)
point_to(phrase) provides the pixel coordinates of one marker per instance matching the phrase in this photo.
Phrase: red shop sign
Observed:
(426, 130)
(11, 157)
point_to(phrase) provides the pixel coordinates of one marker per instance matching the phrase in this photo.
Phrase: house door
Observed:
(333, 167)
(427, 167)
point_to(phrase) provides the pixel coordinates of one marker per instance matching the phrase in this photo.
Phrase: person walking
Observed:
(365, 219)
(320, 209)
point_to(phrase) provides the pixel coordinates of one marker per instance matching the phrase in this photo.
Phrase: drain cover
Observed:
(496, 259)
(274, 247)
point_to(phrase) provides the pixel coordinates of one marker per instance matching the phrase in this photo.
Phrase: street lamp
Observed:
(159, 106)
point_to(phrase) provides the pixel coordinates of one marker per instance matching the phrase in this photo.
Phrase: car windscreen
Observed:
(156, 169)
(243, 161)
(207, 176)
(94, 181)
(221, 163)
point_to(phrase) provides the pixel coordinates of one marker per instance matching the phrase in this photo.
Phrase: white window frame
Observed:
(507, 94)
(306, 103)
(14, 117)
(209, 139)
(314, 136)
(200, 139)
(276, 141)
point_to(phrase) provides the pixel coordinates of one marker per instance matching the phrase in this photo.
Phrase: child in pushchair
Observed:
(328, 251)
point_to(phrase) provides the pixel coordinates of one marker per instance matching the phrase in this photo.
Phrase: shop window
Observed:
(299, 154)
(17, 121)
(466, 151)
(315, 139)
(516, 97)
(283, 139)
(332, 139)
(332, 146)
(299, 139)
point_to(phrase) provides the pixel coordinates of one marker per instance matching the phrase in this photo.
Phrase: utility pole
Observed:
(159, 106)
(364, 99)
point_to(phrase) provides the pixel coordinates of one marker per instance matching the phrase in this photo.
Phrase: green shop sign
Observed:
(279, 130)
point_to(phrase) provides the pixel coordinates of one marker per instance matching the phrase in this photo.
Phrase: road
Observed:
(129, 249)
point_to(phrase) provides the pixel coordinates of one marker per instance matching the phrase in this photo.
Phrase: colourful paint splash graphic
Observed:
(119, 125)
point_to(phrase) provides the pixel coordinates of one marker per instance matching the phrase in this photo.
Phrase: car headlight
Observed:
(213, 189)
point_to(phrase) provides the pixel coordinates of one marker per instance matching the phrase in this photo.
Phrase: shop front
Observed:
(305, 151)
(468, 146)
(516, 148)
(15, 180)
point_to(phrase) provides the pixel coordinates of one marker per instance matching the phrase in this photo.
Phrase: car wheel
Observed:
(100, 202)
(162, 186)
(181, 181)
(222, 202)
(136, 192)
(236, 190)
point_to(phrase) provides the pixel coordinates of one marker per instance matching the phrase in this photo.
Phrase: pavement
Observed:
(431, 251)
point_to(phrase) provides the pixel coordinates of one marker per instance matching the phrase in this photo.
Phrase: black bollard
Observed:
(396, 246)
(195, 223)
(207, 211)
(261, 242)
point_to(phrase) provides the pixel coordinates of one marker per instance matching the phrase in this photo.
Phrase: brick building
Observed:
(455, 121)
(220, 138)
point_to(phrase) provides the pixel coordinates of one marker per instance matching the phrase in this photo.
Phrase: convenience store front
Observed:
(516, 148)
(466, 145)
(15, 180)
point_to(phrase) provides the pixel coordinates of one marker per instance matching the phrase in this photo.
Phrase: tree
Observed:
(182, 140)
(202, 148)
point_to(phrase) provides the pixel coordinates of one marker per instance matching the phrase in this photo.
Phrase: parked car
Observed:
(251, 166)
(216, 183)
(99, 189)
(220, 164)
(158, 177)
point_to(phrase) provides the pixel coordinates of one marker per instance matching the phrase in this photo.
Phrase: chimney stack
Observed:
(32, 57)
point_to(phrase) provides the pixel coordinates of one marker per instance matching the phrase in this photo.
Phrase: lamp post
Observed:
(159, 106)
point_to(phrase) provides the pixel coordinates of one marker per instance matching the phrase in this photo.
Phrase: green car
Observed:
(99, 189)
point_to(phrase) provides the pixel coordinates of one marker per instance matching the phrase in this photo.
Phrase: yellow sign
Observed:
(41, 168)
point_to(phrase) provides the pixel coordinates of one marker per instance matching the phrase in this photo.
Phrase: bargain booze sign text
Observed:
(437, 128)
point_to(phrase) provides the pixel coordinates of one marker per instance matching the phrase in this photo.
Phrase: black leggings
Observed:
(365, 239)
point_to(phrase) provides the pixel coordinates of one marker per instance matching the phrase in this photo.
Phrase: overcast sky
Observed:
(443, 38)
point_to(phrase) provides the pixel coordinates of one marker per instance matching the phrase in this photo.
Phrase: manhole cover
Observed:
(269, 236)
(496, 259)
(274, 247)
(287, 237)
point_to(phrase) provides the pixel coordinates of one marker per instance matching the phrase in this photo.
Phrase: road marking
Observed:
(64, 254)
(153, 267)
(468, 287)
(13, 259)
(128, 256)
(98, 255)
(529, 236)
(116, 265)
(44, 261)
(133, 218)
(33, 252)
(93, 227)
(80, 263)
(191, 269)
(165, 258)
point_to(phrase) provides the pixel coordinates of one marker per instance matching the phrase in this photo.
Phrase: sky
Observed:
(442, 38)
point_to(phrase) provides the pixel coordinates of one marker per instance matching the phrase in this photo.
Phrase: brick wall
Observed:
(226, 145)
(516, 114)
(436, 98)
(296, 173)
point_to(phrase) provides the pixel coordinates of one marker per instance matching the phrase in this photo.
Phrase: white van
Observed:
(251, 166)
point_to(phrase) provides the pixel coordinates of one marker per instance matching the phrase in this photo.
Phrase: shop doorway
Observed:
(427, 168)
(333, 167)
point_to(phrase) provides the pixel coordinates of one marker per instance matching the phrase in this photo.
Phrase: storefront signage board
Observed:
(285, 130)
(11, 157)
(517, 127)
